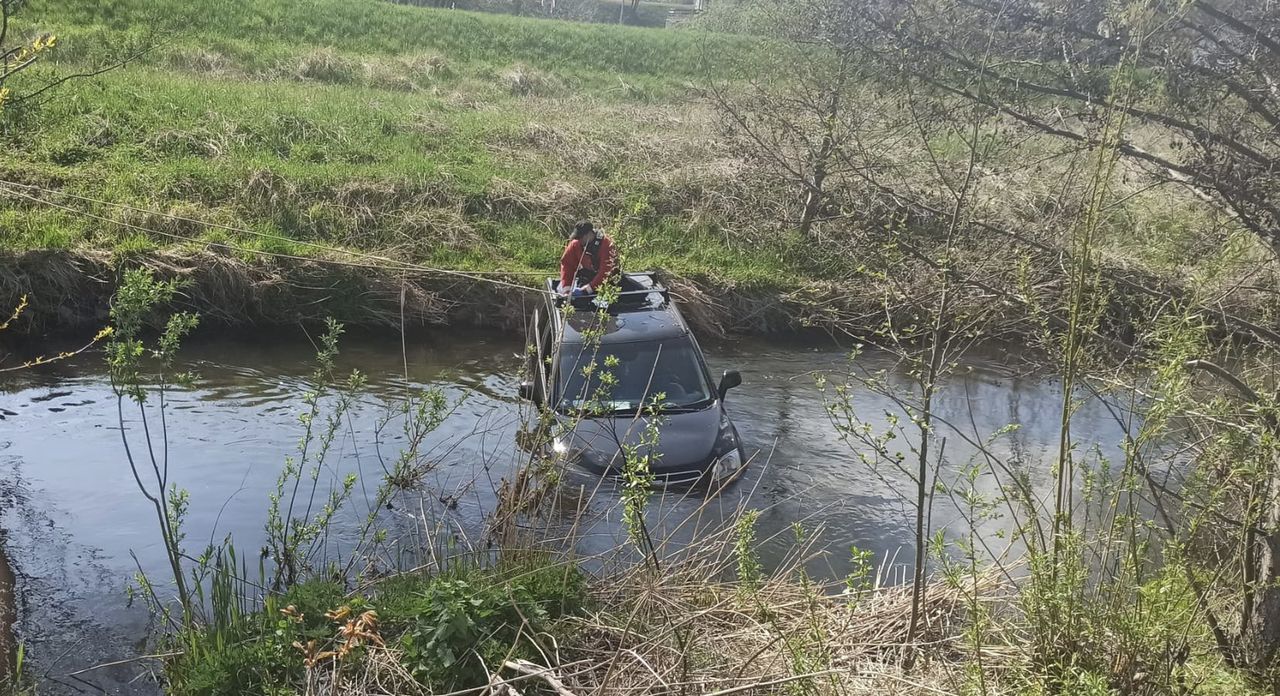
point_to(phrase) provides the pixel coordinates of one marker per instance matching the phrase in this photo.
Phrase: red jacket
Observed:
(600, 264)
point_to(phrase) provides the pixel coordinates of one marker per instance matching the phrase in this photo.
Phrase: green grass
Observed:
(350, 166)
(460, 140)
(442, 626)
(262, 30)
(456, 139)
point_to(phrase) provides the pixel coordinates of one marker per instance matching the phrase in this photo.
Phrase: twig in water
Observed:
(117, 663)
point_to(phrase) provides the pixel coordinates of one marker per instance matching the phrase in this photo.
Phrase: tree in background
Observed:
(1206, 114)
(1166, 95)
(26, 82)
(798, 122)
(18, 56)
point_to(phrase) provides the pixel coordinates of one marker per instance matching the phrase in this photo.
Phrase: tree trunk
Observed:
(817, 195)
(813, 201)
(1260, 638)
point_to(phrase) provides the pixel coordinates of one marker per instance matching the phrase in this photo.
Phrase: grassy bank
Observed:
(278, 135)
(442, 138)
(556, 630)
(275, 29)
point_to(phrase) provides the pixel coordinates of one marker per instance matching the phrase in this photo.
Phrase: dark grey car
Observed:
(648, 348)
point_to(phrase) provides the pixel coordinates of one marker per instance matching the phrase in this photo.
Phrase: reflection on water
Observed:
(74, 512)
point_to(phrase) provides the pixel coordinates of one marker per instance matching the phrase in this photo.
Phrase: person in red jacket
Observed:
(589, 260)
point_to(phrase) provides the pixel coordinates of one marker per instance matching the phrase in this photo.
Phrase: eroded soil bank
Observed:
(71, 290)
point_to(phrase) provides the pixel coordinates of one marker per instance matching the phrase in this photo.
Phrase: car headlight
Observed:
(728, 463)
(728, 453)
(559, 445)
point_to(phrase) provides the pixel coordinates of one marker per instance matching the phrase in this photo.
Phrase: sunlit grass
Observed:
(257, 34)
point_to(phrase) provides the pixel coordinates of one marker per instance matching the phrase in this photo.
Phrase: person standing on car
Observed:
(588, 261)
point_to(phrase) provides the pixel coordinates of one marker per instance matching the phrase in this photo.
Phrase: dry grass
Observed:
(524, 81)
(692, 627)
(326, 65)
(410, 73)
(203, 60)
(731, 639)
(426, 66)
(667, 154)
(72, 289)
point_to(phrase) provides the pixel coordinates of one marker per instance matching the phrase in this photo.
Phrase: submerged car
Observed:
(644, 343)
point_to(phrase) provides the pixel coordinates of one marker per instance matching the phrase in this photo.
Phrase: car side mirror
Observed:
(528, 392)
(731, 379)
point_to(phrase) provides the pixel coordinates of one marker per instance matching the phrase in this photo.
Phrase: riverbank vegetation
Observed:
(1095, 179)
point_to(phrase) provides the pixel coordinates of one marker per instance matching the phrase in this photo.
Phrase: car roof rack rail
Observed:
(644, 298)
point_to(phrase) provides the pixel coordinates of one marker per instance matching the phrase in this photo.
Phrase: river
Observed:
(73, 519)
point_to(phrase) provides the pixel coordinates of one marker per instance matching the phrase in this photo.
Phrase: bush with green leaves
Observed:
(456, 624)
(446, 627)
(259, 656)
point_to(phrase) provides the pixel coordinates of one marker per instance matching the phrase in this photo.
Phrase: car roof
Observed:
(646, 315)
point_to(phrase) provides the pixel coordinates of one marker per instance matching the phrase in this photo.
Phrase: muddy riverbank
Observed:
(71, 290)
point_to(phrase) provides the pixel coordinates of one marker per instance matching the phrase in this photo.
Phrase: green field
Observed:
(260, 33)
(275, 130)
(457, 139)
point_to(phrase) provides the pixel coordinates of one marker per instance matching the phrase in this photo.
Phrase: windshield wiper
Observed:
(685, 408)
(584, 412)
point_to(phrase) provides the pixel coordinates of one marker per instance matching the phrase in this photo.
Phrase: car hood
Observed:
(685, 440)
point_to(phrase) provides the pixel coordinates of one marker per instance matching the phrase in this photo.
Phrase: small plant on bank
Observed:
(749, 569)
(17, 682)
(861, 579)
(293, 533)
(147, 451)
(443, 630)
(460, 623)
(638, 478)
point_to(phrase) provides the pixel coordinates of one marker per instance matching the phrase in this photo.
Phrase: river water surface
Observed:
(73, 521)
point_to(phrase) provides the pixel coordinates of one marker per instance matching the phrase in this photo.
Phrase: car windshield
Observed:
(642, 369)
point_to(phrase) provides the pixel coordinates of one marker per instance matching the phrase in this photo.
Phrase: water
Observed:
(73, 518)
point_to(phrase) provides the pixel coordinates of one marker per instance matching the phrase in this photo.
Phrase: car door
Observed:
(539, 350)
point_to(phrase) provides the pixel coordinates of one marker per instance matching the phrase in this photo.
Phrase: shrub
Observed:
(439, 623)
(450, 619)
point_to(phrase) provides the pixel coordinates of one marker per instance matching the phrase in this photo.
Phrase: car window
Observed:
(643, 369)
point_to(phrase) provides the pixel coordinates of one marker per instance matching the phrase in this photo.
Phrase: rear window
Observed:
(642, 369)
